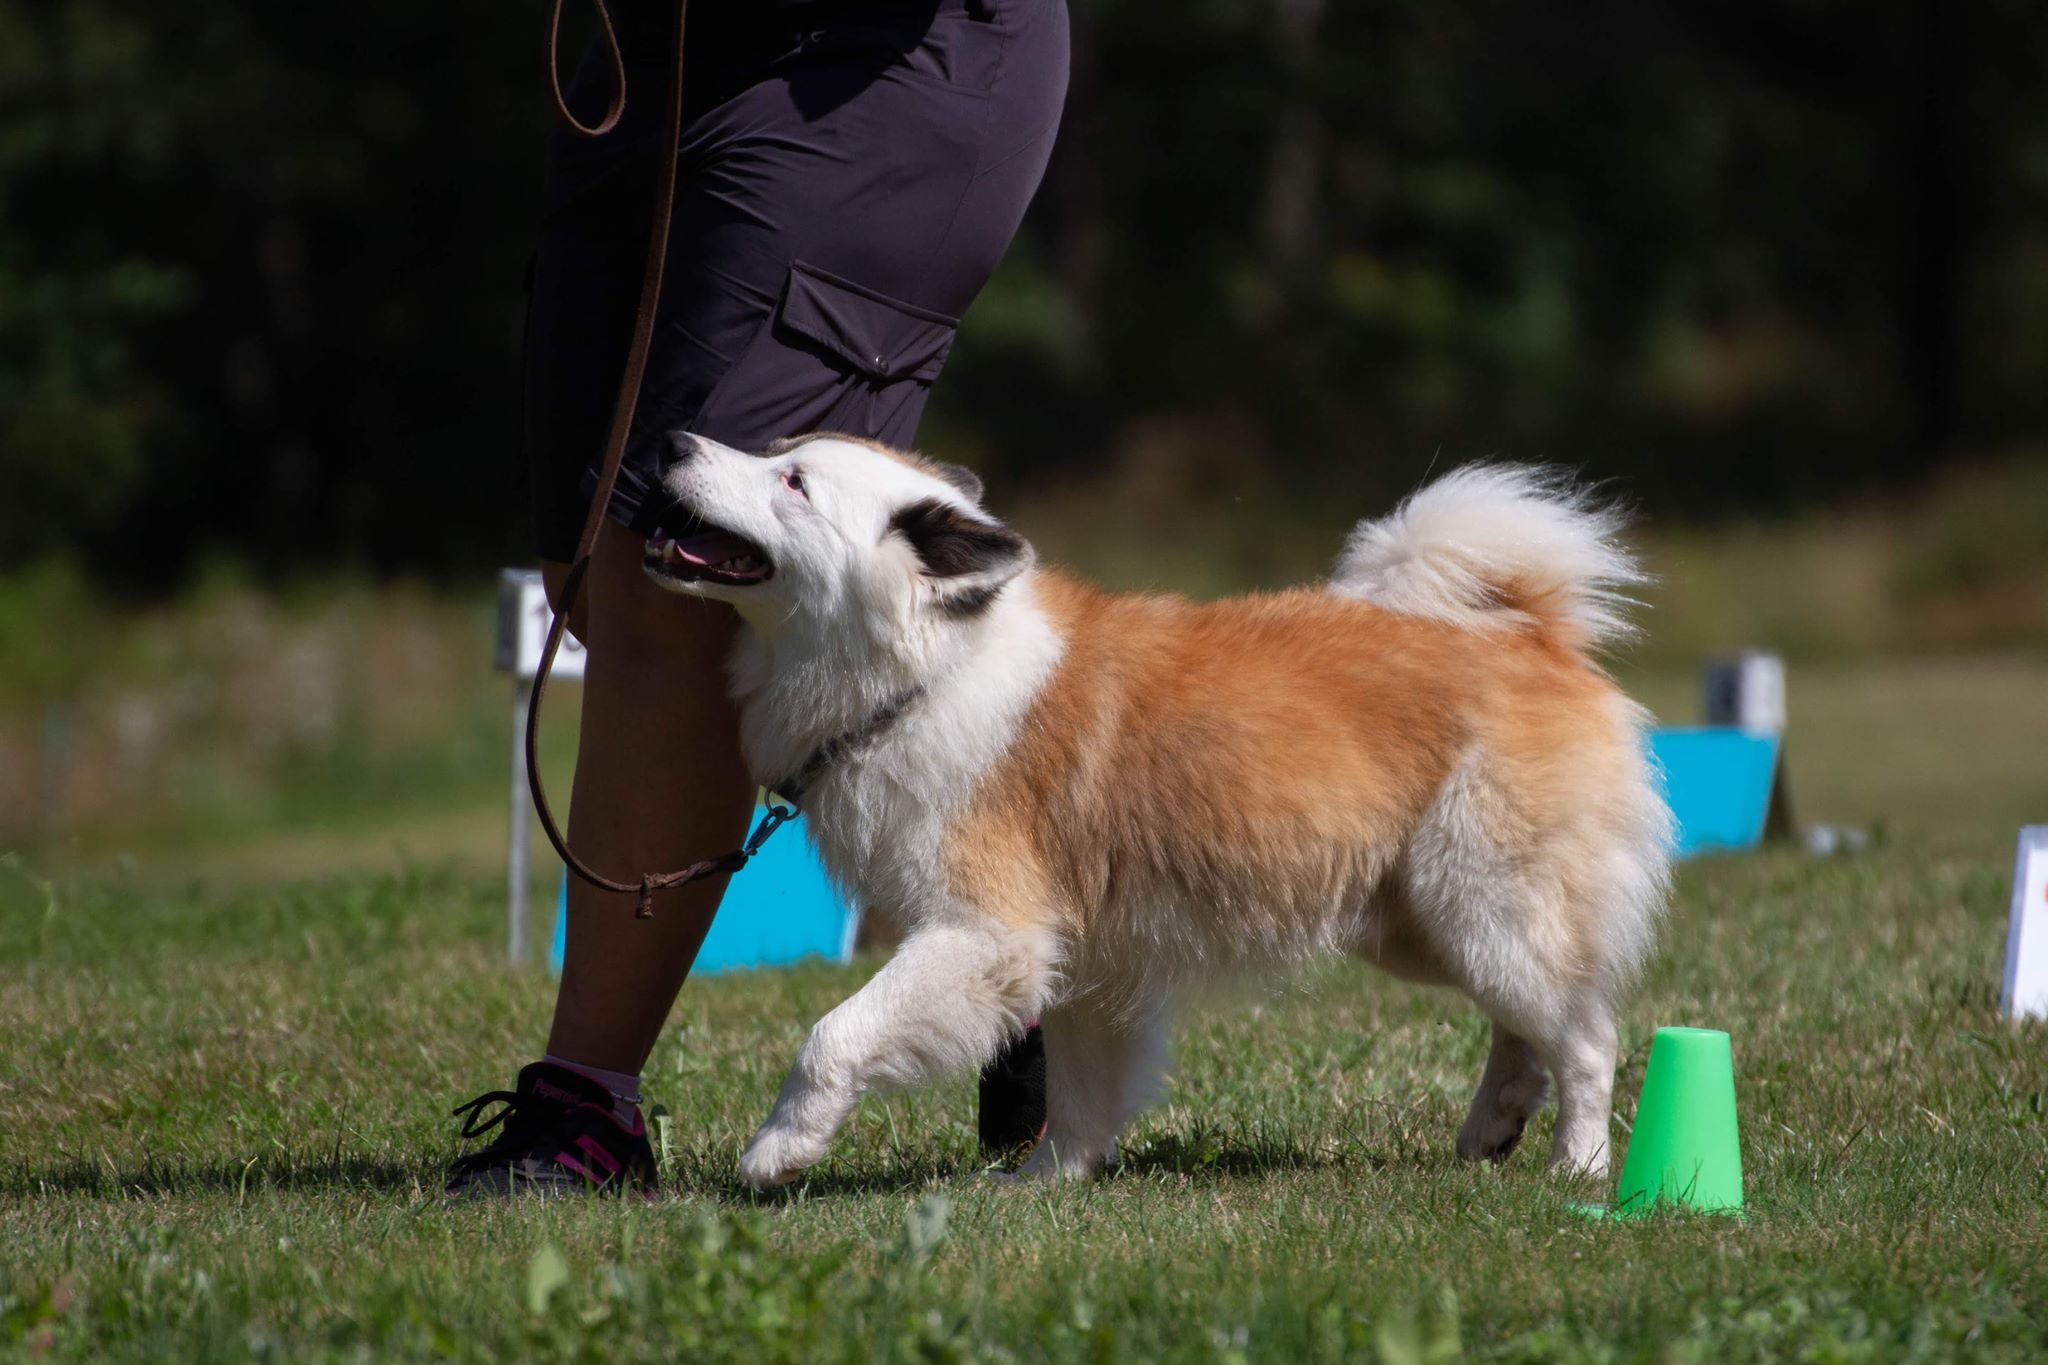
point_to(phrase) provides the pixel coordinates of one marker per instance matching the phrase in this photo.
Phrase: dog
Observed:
(1077, 803)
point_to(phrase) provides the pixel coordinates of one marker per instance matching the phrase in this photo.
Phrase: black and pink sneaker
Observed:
(559, 1137)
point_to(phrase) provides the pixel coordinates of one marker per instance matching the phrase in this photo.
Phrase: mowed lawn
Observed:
(223, 1111)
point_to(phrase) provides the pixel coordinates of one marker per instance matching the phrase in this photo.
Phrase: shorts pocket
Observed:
(832, 355)
(883, 338)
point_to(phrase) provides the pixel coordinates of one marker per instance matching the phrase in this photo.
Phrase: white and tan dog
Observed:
(1075, 802)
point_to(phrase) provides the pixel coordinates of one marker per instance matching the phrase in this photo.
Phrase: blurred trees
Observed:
(260, 264)
(260, 279)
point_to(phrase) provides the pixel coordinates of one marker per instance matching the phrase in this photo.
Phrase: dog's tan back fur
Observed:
(1265, 761)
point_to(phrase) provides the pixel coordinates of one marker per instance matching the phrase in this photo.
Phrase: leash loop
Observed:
(615, 108)
(634, 371)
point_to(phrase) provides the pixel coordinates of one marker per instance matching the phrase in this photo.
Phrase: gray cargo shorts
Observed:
(849, 176)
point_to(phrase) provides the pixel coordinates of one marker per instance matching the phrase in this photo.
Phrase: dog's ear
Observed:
(961, 477)
(966, 558)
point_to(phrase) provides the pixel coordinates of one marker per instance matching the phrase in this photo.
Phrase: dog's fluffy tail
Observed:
(1490, 545)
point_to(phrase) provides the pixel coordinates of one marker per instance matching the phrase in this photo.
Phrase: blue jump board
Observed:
(781, 909)
(1718, 782)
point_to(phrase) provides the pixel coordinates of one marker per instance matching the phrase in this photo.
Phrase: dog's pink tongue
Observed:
(710, 548)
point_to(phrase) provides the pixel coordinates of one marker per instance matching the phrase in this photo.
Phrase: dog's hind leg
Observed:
(1544, 1026)
(945, 1002)
(1526, 945)
(1513, 1087)
(1102, 1066)
(1544, 1020)
(1581, 1051)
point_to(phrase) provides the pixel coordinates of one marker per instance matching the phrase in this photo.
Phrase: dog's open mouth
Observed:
(703, 553)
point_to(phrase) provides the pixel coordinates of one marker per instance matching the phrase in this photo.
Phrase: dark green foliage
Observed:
(260, 278)
(260, 264)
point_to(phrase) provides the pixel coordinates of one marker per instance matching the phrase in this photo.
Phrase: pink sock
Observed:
(624, 1088)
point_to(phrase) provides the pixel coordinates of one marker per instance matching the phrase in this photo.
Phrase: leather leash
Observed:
(785, 796)
(614, 455)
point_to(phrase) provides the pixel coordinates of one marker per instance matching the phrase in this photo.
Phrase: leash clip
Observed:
(772, 819)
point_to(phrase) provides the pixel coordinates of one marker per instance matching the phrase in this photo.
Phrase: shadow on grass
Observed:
(1196, 1157)
(153, 1178)
(1202, 1153)
(883, 1174)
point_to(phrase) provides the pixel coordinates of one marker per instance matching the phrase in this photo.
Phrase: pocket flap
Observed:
(879, 336)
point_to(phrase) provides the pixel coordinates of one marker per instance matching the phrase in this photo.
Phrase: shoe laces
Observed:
(520, 1115)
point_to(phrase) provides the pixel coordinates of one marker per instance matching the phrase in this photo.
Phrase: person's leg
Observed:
(903, 189)
(659, 784)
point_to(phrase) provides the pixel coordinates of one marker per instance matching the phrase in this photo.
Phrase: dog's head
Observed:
(831, 531)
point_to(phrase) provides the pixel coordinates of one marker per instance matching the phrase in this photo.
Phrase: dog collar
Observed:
(785, 799)
(790, 790)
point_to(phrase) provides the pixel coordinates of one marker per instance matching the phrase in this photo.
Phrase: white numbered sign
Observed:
(523, 620)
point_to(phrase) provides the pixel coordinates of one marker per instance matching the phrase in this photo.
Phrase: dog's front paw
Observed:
(777, 1155)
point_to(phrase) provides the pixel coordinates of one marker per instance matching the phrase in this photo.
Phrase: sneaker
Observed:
(559, 1136)
(1013, 1096)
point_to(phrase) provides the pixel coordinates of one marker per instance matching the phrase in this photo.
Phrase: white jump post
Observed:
(523, 621)
(1747, 690)
(2026, 942)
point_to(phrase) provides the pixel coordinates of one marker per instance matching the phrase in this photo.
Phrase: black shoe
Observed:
(1013, 1095)
(559, 1137)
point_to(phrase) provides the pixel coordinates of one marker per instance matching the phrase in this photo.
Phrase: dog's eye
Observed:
(794, 482)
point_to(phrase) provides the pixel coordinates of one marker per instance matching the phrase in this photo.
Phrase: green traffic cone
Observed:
(1685, 1149)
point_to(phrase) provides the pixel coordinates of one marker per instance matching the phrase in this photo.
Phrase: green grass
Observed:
(252, 958)
(222, 1114)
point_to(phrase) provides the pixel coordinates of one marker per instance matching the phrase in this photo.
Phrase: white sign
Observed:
(2026, 942)
(523, 621)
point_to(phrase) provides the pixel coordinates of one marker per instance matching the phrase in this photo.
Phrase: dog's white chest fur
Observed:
(878, 816)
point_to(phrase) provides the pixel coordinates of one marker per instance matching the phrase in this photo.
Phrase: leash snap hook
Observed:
(772, 819)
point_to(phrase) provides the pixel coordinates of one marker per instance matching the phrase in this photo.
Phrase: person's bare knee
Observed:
(629, 610)
(656, 714)
(658, 629)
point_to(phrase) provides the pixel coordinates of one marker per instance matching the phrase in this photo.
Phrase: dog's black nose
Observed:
(682, 447)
